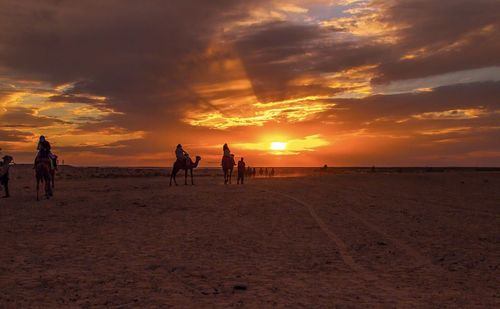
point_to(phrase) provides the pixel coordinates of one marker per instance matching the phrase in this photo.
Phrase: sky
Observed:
(283, 82)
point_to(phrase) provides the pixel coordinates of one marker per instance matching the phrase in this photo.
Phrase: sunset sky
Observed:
(337, 82)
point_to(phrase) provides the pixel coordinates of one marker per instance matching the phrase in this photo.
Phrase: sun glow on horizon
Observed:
(278, 146)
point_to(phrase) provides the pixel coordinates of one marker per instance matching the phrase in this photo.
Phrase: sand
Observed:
(405, 240)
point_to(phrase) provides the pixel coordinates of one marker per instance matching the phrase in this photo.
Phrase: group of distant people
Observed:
(43, 152)
(242, 170)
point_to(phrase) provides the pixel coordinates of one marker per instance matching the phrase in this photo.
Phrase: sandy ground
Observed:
(415, 240)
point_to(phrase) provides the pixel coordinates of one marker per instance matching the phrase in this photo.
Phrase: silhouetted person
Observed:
(266, 172)
(261, 172)
(43, 149)
(254, 172)
(248, 173)
(181, 155)
(241, 171)
(226, 152)
(4, 174)
(272, 173)
(44, 152)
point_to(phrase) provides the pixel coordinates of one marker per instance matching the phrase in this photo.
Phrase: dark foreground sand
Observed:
(353, 240)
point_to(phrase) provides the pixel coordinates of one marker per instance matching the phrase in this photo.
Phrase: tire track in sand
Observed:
(421, 260)
(412, 252)
(401, 292)
(346, 256)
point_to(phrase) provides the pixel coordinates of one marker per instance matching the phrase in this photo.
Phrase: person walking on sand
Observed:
(241, 171)
(4, 174)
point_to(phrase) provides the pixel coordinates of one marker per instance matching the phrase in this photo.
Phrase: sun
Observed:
(278, 146)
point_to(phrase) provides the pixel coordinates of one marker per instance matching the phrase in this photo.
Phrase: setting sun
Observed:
(278, 146)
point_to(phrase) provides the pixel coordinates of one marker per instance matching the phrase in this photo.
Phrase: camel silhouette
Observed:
(42, 173)
(186, 166)
(227, 167)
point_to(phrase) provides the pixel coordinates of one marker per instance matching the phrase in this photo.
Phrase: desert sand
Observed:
(349, 239)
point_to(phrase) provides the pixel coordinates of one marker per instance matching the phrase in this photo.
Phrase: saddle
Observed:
(184, 163)
(45, 160)
(228, 162)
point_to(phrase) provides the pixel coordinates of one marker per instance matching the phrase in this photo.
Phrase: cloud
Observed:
(24, 117)
(293, 146)
(147, 75)
(13, 136)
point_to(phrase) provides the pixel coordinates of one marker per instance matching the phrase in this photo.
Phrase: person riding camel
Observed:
(227, 154)
(44, 151)
(181, 155)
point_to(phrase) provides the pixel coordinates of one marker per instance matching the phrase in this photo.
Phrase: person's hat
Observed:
(179, 145)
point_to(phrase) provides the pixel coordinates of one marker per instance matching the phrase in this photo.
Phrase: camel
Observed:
(42, 171)
(180, 166)
(227, 168)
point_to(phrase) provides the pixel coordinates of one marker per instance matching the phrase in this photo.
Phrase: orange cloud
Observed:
(292, 110)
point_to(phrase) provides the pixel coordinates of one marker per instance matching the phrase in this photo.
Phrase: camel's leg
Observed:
(49, 187)
(173, 174)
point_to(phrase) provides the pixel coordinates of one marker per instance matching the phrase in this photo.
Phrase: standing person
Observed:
(4, 174)
(254, 172)
(241, 171)
(266, 173)
(261, 172)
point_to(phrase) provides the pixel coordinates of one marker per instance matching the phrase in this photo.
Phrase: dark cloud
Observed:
(13, 136)
(127, 51)
(25, 117)
(147, 58)
(68, 98)
(450, 36)
(400, 106)
(456, 35)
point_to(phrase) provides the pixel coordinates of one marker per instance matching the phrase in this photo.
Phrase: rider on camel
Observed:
(227, 154)
(181, 155)
(43, 149)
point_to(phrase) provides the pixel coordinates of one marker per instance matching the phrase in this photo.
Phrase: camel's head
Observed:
(198, 158)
